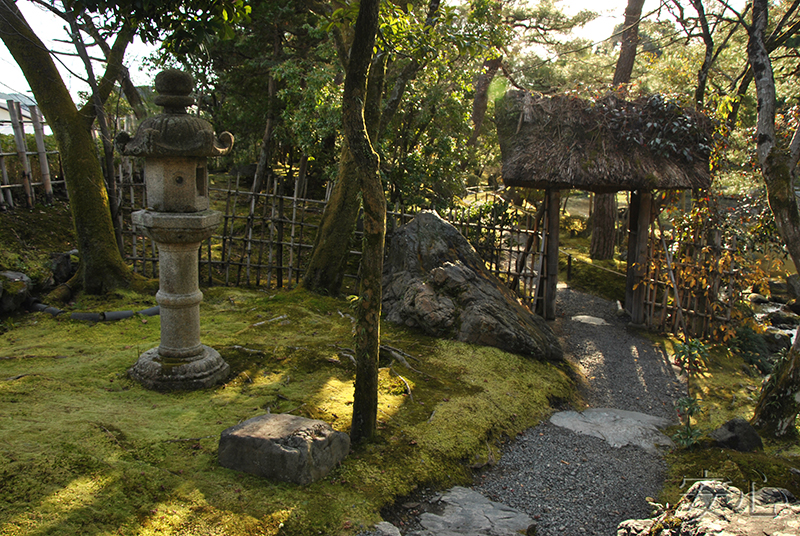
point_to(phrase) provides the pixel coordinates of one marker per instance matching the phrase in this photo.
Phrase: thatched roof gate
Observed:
(606, 145)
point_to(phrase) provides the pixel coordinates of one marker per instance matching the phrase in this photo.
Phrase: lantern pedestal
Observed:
(180, 362)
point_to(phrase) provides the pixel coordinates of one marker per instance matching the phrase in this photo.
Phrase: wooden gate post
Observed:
(637, 272)
(546, 291)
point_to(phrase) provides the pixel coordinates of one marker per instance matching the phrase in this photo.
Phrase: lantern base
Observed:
(160, 373)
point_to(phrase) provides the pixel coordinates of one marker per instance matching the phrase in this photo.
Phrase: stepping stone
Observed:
(592, 320)
(617, 427)
(468, 513)
(283, 447)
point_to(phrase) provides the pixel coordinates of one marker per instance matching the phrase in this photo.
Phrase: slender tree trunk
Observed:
(605, 221)
(265, 153)
(365, 397)
(101, 263)
(481, 101)
(325, 271)
(708, 41)
(630, 40)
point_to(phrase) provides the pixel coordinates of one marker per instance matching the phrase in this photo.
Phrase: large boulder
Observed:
(14, 291)
(434, 280)
(715, 508)
(283, 447)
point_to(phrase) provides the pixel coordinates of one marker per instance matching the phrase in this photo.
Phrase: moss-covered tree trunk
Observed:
(366, 164)
(779, 403)
(778, 166)
(101, 263)
(325, 271)
(777, 407)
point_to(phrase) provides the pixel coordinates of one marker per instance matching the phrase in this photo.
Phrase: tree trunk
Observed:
(265, 153)
(604, 229)
(779, 403)
(708, 41)
(481, 101)
(101, 263)
(630, 40)
(605, 214)
(777, 407)
(325, 271)
(777, 166)
(366, 164)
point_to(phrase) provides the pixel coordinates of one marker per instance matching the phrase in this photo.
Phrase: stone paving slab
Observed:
(468, 513)
(618, 427)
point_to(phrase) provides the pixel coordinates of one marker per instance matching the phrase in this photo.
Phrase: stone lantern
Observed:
(175, 146)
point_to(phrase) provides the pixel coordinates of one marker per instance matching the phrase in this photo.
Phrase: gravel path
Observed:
(574, 484)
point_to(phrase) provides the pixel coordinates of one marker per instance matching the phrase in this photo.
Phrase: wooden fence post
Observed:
(15, 112)
(9, 199)
(38, 130)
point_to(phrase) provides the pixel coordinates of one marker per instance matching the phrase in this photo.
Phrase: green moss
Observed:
(595, 277)
(85, 450)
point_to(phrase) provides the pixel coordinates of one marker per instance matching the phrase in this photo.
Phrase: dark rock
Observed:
(283, 447)
(775, 496)
(434, 280)
(757, 298)
(793, 306)
(783, 319)
(737, 434)
(14, 291)
(776, 340)
(793, 286)
(778, 291)
(62, 267)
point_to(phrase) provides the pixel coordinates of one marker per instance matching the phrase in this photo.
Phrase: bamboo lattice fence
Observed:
(266, 239)
(692, 284)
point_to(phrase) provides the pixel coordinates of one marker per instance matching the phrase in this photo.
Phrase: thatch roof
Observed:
(603, 146)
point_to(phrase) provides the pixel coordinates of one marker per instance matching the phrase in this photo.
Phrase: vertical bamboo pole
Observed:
(38, 130)
(15, 112)
(293, 227)
(9, 199)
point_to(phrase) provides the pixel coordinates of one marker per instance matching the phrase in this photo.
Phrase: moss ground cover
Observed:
(84, 450)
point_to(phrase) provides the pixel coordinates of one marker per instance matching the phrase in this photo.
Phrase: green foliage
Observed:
(753, 349)
(661, 125)
(183, 26)
(484, 219)
(687, 436)
(690, 356)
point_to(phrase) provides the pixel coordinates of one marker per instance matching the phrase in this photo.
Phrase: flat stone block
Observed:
(283, 447)
(166, 374)
(177, 227)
